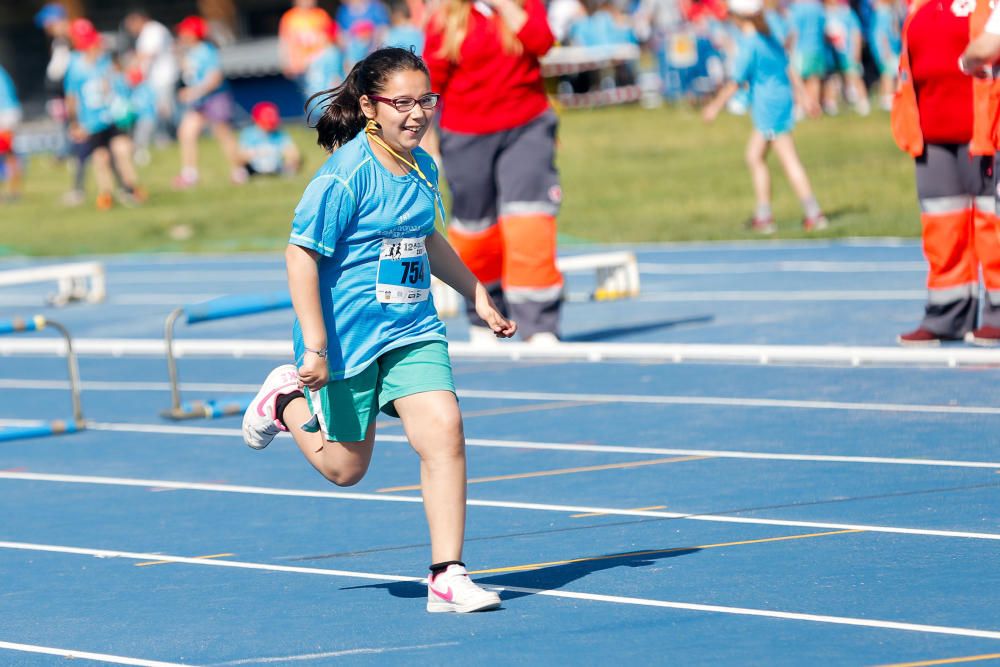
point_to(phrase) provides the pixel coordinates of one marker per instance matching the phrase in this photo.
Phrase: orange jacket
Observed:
(985, 95)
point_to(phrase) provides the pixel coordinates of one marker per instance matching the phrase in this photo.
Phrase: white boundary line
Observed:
(543, 507)
(593, 597)
(778, 266)
(710, 296)
(553, 446)
(85, 655)
(641, 399)
(591, 352)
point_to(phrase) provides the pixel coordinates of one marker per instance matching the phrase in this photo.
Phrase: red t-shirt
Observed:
(936, 39)
(489, 90)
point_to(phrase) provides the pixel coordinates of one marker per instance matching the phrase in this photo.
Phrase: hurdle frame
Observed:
(79, 281)
(215, 309)
(57, 426)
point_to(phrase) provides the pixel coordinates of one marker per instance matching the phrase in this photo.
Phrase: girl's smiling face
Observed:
(402, 130)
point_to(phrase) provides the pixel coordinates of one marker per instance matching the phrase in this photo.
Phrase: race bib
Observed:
(404, 272)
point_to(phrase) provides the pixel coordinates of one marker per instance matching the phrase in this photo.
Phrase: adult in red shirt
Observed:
(498, 135)
(944, 120)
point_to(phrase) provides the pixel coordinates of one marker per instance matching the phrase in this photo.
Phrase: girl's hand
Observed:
(314, 372)
(186, 95)
(710, 113)
(487, 310)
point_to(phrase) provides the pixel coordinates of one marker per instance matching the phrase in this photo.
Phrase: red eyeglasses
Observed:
(404, 104)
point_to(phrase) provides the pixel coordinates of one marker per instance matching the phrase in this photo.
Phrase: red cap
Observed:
(195, 26)
(134, 76)
(83, 35)
(266, 115)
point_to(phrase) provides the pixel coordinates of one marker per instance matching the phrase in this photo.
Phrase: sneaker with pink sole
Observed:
(259, 424)
(453, 591)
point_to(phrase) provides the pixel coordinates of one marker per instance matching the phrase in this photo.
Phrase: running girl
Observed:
(367, 338)
(762, 65)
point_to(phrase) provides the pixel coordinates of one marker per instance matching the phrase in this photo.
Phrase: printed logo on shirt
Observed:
(963, 8)
(555, 194)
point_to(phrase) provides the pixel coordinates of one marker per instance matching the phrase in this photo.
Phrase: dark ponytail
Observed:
(341, 117)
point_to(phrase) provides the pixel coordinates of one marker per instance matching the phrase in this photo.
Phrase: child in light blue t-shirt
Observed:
(886, 44)
(843, 34)
(402, 32)
(762, 66)
(266, 148)
(367, 337)
(807, 19)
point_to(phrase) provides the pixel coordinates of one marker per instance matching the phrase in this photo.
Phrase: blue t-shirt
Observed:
(198, 63)
(600, 29)
(325, 71)
(762, 65)
(808, 21)
(843, 29)
(8, 96)
(374, 11)
(92, 85)
(143, 101)
(266, 148)
(405, 37)
(886, 28)
(364, 222)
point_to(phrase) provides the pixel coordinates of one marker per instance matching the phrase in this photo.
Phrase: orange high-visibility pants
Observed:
(950, 184)
(505, 198)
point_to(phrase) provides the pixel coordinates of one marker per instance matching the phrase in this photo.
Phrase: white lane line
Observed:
(614, 599)
(639, 399)
(503, 504)
(784, 295)
(554, 446)
(333, 654)
(711, 268)
(85, 655)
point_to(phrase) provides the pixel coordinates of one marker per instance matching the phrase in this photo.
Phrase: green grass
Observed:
(628, 174)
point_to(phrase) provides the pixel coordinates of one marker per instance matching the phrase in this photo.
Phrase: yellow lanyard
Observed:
(371, 129)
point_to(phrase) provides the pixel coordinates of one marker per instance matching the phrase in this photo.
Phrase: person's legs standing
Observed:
(187, 136)
(947, 219)
(529, 200)
(760, 177)
(469, 167)
(986, 235)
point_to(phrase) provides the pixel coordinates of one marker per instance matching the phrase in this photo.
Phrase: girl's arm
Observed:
(212, 81)
(303, 284)
(713, 108)
(446, 265)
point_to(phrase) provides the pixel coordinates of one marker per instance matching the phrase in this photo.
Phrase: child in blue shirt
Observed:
(808, 24)
(92, 86)
(10, 116)
(367, 337)
(886, 43)
(761, 64)
(843, 34)
(265, 146)
(206, 100)
(402, 32)
(326, 71)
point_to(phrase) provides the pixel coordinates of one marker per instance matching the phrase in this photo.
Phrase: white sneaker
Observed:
(452, 590)
(259, 424)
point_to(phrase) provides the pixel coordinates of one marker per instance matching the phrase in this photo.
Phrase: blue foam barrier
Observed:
(57, 427)
(235, 306)
(20, 324)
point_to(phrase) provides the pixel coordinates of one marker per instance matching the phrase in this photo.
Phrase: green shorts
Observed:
(347, 407)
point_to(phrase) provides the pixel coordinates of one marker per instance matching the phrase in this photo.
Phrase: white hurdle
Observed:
(81, 281)
(616, 276)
